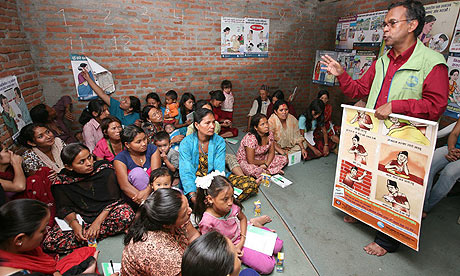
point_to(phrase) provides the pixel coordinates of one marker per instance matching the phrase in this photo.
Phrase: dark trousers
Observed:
(386, 242)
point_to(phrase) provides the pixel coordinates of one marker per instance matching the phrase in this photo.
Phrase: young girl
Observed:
(186, 106)
(160, 179)
(91, 118)
(216, 209)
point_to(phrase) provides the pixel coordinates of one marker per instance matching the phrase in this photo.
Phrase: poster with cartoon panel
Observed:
(362, 61)
(13, 108)
(369, 31)
(440, 21)
(453, 102)
(232, 37)
(345, 33)
(256, 32)
(382, 171)
(320, 73)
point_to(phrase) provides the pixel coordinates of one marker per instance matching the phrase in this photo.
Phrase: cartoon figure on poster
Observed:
(397, 199)
(399, 166)
(256, 31)
(352, 177)
(363, 119)
(454, 91)
(404, 129)
(232, 37)
(8, 115)
(359, 152)
(84, 90)
(439, 42)
(24, 115)
(425, 36)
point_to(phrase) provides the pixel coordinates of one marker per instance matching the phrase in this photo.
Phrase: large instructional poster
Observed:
(382, 171)
(345, 32)
(369, 31)
(453, 106)
(244, 37)
(13, 108)
(439, 25)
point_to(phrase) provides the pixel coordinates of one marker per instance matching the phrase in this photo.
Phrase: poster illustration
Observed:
(320, 74)
(361, 63)
(256, 31)
(232, 37)
(382, 171)
(369, 31)
(244, 37)
(98, 74)
(345, 33)
(453, 103)
(440, 21)
(347, 60)
(13, 108)
(455, 44)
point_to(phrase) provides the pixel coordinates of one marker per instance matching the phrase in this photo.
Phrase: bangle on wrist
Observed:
(243, 235)
(70, 222)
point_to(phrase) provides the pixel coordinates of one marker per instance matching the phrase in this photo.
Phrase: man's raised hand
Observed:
(333, 67)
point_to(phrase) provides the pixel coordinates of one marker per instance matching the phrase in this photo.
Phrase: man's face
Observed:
(397, 29)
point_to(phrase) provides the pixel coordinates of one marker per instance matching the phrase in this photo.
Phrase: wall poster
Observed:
(369, 31)
(382, 171)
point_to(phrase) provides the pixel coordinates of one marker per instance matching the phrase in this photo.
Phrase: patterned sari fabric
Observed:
(246, 183)
(289, 137)
(158, 254)
(87, 195)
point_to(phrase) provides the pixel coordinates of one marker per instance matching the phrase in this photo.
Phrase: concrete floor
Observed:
(317, 241)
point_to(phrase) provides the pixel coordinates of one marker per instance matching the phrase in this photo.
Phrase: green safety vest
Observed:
(407, 82)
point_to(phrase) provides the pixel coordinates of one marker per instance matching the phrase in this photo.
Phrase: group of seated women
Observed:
(69, 191)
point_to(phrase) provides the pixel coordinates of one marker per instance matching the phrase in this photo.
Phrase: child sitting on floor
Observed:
(172, 131)
(217, 210)
(169, 156)
(172, 107)
(160, 178)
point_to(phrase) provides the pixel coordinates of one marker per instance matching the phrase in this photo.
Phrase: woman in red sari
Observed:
(23, 224)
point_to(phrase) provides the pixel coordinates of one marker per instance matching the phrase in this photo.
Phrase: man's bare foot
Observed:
(349, 219)
(424, 215)
(260, 221)
(374, 249)
(92, 267)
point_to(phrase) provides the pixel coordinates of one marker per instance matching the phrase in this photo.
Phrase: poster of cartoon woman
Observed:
(404, 163)
(363, 120)
(355, 178)
(440, 22)
(231, 29)
(359, 152)
(453, 106)
(407, 130)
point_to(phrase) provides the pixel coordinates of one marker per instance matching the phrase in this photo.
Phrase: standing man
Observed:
(409, 79)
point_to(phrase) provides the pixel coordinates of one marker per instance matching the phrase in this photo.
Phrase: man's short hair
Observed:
(414, 11)
(160, 136)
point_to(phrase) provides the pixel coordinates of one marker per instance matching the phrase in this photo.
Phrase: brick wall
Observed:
(365, 186)
(160, 45)
(15, 58)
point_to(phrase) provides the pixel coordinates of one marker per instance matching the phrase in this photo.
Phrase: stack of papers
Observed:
(64, 226)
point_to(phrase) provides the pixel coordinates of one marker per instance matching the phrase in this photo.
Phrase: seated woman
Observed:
(110, 145)
(44, 149)
(127, 111)
(332, 131)
(134, 163)
(12, 178)
(153, 99)
(285, 130)
(152, 121)
(203, 152)
(226, 131)
(256, 154)
(44, 114)
(203, 104)
(279, 95)
(159, 235)
(24, 223)
(90, 190)
(91, 118)
(186, 106)
(311, 125)
(213, 254)
(260, 105)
